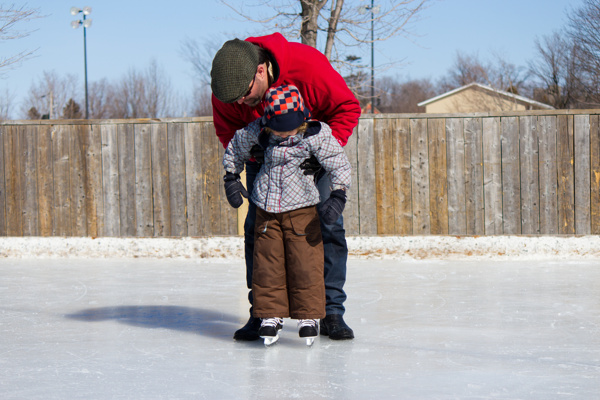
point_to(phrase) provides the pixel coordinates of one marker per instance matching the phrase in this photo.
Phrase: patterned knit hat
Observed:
(233, 68)
(285, 110)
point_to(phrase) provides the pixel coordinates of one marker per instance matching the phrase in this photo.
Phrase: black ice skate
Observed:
(309, 329)
(269, 330)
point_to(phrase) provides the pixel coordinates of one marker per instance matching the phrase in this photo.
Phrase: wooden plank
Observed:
(492, 176)
(177, 189)
(474, 200)
(29, 189)
(110, 180)
(351, 224)
(229, 215)
(566, 179)
(211, 209)
(457, 219)
(511, 207)
(581, 137)
(595, 175)
(143, 181)
(420, 177)
(194, 181)
(225, 214)
(78, 179)
(3, 134)
(45, 181)
(62, 185)
(548, 175)
(384, 187)
(529, 164)
(160, 180)
(402, 176)
(366, 178)
(379, 148)
(94, 205)
(438, 181)
(127, 179)
(13, 182)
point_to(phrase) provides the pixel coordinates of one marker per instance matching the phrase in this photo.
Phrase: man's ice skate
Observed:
(269, 330)
(309, 329)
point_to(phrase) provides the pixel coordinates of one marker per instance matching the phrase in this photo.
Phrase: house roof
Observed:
(490, 89)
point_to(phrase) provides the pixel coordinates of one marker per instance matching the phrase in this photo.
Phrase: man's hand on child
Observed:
(234, 189)
(311, 166)
(333, 207)
(258, 153)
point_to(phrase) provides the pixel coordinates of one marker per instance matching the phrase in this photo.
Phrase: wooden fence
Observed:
(534, 173)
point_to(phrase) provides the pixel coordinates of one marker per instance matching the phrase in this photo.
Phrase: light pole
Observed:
(86, 24)
(374, 9)
(51, 95)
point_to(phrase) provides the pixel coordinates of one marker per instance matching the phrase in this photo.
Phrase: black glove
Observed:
(258, 153)
(333, 207)
(311, 166)
(234, 189)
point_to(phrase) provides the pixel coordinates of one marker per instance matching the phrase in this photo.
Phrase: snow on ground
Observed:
(360, 247)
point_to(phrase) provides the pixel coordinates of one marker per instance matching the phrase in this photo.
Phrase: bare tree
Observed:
(99, 97)
(126, 101)
(139, 94)
(200, 56)
(584, 31)
(465, 70)
(507, 76)
(309, 24)
(10, 17)
(142, 94)
(403, 97)
(498, 74)
(50, 93)
(202, 106)
(553, 71)
(345, 23)
(6, 101)
(159, 92)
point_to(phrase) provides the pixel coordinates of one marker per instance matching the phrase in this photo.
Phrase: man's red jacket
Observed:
(323, 89)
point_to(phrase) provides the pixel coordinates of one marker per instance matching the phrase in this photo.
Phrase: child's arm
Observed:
(238, 150)
(236, 154)
(332, 158)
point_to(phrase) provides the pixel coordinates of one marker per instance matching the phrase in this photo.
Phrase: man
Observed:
(242, 71)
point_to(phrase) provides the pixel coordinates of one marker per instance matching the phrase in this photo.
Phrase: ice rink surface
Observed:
(162, 329)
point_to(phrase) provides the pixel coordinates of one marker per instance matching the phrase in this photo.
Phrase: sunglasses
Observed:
(249, 90)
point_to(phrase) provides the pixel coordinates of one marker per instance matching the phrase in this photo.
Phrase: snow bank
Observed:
(360, 247)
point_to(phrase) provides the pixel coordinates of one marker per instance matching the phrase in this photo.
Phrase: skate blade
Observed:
(310, 341)
(269, 340)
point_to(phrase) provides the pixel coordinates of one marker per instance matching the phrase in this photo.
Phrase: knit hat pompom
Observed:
(233, 68)
(285, 110)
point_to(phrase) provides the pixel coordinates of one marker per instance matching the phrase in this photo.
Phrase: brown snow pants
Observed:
(287, 280)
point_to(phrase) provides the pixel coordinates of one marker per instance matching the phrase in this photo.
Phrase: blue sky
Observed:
(129, 34)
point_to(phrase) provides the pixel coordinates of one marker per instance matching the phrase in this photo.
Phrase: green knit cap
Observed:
(233, 68)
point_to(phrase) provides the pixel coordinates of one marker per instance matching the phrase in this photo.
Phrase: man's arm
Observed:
(325, 92)
(228, 118)
(342, 111)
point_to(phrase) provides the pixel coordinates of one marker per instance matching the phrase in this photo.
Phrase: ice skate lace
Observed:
(307, 322)
(271, 322)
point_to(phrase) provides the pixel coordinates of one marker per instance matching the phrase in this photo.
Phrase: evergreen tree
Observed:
(72, 110)
(33, 113)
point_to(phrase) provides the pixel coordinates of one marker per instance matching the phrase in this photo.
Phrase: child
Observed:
(287, 280)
